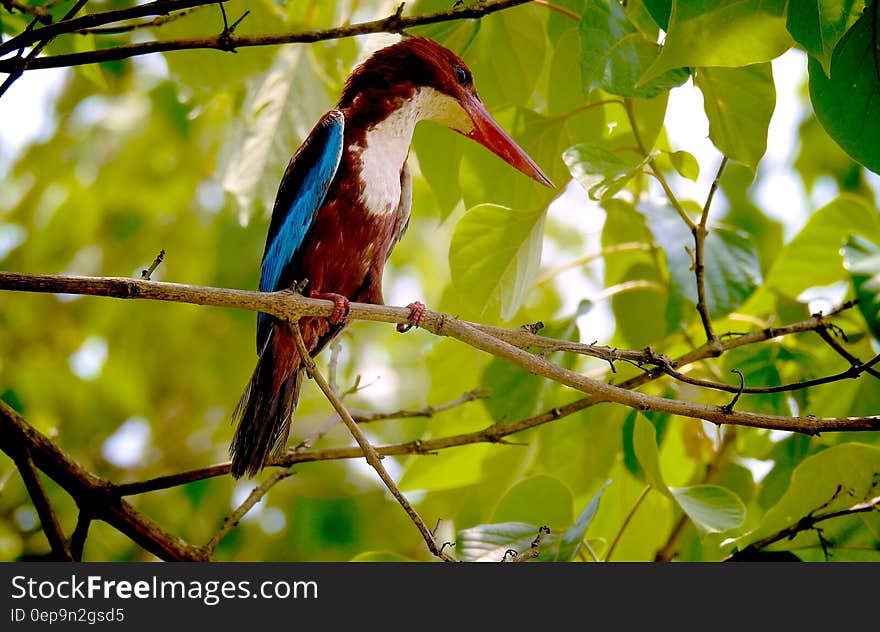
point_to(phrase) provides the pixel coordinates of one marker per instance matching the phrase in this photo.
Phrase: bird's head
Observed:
(423, 70)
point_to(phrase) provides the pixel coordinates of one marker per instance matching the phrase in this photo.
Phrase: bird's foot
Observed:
(340, 305)
(417, 312)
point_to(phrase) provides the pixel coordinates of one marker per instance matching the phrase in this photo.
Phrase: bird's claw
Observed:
(417, 312)
(341, 306)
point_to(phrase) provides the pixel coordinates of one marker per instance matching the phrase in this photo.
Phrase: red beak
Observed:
(490, 135)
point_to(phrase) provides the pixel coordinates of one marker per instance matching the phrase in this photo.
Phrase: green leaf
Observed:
(660, 10)
(615, 54)
(513, 392)
(862, 259)
(601, 172)
(494, 257)
(573, 536)
(712, 509)
(818, 25)
(447, 470)
(260, 145)
(812, 258)
(538, 500)
(645, 448)
(439, 152)
(722, 33)
(685, 164)
(739, 103)
(847, 103)
(732, 271)
(832, 480)
(623, 224)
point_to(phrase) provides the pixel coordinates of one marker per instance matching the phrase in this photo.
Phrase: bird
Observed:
(342, 205)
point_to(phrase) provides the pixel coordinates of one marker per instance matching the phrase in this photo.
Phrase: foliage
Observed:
(183, 150)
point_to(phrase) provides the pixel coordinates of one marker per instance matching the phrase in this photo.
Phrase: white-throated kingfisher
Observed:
(342, 205)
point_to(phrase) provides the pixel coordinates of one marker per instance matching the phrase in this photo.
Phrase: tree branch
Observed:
(92, 20)
(807, 523)
(48, 520)
(292, 307)
(366, 448)
(253, 498)
(90, 491)
(700, 231)
(394, 23)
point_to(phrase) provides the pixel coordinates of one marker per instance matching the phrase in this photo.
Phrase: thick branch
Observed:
(394, 23)
(89, 491)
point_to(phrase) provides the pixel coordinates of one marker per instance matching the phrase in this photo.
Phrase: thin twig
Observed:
(585, 259)
(256, 495)
(368, 451)
(626, 521)
(837, 347)
(127, 28)
(807, 523)
(700, 231)
(534, 549)
(146, 274)
(48, 520)
(656, 172)
(559, 9)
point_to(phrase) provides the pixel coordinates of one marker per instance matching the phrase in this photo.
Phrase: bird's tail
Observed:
(268, 402)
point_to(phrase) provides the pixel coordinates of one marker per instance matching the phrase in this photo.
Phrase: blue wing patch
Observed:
(301, 194)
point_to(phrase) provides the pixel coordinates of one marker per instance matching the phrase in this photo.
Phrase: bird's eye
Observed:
(462, 75)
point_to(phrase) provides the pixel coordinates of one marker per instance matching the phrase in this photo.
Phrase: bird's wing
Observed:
(301, 193)
(403, 207)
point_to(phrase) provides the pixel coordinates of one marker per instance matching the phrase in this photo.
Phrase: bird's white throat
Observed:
(386, 145)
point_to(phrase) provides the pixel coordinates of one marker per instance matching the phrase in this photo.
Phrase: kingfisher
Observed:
(342, 205)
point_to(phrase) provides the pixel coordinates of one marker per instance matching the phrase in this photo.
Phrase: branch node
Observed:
(728, 408)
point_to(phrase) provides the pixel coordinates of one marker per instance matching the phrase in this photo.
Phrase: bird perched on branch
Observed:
(342, 205)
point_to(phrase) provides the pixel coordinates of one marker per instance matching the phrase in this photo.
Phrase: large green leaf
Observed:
(862, 259)
(538, 500)
(848, 102)
(722, 33)
(513, 392)
(615, 54)
(739, 103)
(832, 480)
(731, 271)
(712, 509)
(818, 25)
(494, 257)
(812, 257)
